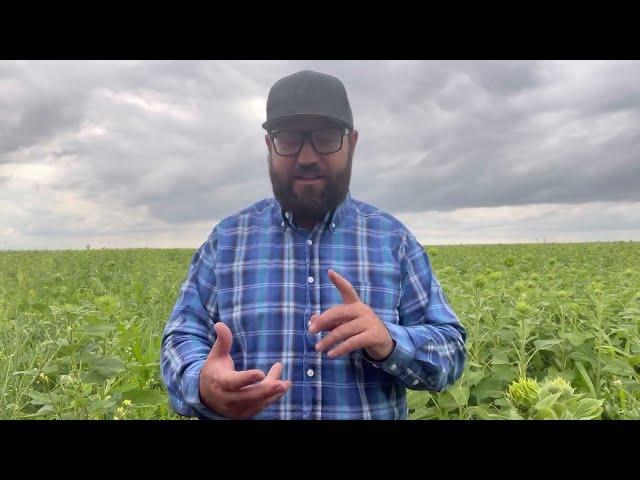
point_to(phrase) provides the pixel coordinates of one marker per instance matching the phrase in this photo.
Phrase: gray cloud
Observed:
(180, 143)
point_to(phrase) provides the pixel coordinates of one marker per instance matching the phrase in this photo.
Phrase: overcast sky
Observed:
(155, 153)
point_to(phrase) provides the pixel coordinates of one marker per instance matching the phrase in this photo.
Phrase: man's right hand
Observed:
(233, 394)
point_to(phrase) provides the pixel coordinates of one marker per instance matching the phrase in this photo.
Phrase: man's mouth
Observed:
(308, 179)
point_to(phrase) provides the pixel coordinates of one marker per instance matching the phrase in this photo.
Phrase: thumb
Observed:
(222, 346)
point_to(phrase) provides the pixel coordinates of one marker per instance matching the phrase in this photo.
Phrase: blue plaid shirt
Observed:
(264, 277)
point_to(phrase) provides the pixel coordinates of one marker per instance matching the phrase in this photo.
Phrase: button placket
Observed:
(311, 373)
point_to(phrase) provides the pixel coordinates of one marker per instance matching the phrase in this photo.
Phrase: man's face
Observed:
(311, 198)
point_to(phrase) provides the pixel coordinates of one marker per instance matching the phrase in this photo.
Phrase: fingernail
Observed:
(318, 347)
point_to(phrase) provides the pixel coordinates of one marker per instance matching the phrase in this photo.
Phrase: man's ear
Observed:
(353, 139)
(267, 140)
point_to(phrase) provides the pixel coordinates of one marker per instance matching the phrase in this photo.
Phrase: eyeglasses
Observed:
(324, 141)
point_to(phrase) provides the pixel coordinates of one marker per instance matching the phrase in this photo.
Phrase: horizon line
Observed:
(459, 244)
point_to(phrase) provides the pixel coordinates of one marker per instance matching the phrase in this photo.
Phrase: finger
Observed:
(353, 343)
(274, 372)
(224, 338)
(253, 399)
(333, 317)
(274, 398)
(343, 332)
(232, 380)
(348, 293)
(259, 392)
(255, 408)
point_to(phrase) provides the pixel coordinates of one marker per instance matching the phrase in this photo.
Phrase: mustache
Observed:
(309, 172)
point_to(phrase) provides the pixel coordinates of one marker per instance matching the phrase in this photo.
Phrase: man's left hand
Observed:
(354, 322)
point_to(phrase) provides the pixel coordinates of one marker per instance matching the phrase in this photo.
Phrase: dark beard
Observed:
(316, 206)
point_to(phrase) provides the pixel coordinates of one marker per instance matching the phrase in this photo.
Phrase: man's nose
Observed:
(308, 154)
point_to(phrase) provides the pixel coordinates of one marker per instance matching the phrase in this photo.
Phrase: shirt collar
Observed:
(333, 219)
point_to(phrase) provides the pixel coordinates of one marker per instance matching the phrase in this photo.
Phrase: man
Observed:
(312, 304)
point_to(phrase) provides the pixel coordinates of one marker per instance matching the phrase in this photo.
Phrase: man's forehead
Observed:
(305, 123)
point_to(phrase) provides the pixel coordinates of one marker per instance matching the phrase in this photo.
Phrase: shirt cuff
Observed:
(191, 392)
(402, 355)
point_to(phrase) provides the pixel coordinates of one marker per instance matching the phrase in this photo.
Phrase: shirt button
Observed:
(310, 279)
(394, 366)
(309, 242)
(333, 225)
(282, 224)
(415, 382)
(310, 373)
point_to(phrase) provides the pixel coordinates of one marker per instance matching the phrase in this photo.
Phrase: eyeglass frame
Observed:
(306, 134)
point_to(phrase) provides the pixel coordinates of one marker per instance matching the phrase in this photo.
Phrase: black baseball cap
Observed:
(308, 93)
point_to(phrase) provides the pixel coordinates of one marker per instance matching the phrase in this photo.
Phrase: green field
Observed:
(80, 331)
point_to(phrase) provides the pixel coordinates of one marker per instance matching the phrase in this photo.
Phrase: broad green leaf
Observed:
(489, 388)
(104, 368)
(545, 413)
(548, 401)
(156, 397)
(46, 410)
(473, 377)
(51, 368)
(39, 398)
(460, 394)
(618, 367)
(98, 330)
(547, 344)
(576, 338)
(502, 402)
(98, 406)
(588, 409)
(415, 400)
(582, 357)
(505, 373)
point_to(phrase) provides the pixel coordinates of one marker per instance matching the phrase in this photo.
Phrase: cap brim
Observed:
(273, 122)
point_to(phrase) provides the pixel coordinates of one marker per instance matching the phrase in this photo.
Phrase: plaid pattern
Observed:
(264, 277)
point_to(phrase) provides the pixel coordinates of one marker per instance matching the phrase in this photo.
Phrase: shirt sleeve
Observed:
(429, 351)
(189, 335)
